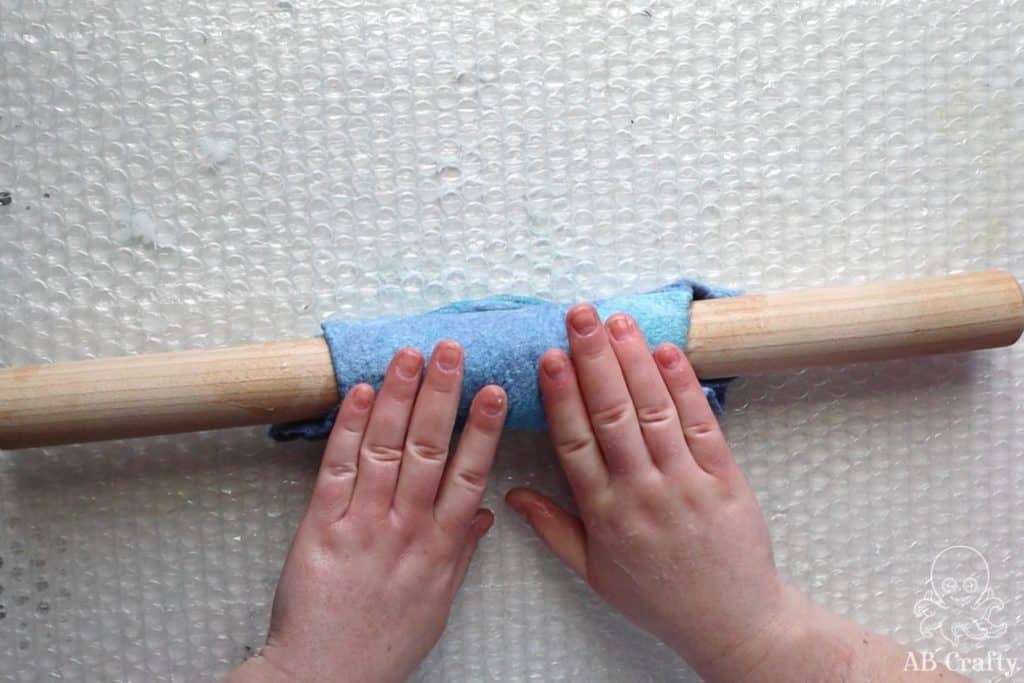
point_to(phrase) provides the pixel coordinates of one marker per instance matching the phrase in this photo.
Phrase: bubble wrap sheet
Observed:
(182, 174)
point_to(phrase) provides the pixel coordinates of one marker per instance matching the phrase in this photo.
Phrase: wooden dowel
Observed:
(761, 333)
(166, 393)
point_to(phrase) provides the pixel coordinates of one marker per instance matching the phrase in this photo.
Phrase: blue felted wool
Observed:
(503, 337)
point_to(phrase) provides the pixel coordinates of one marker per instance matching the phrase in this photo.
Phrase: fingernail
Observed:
(621, 326)
(361, 397)
(448, 355)
(668, 356)
(553, 366)
(408, 364)
(494, 403)
(584, 320)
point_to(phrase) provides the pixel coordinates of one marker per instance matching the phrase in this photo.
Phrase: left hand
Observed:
(390, 530)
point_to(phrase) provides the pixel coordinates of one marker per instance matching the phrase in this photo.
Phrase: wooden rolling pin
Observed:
(165, 393)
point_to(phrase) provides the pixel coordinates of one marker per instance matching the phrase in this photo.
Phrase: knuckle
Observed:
(346, 536)
(426, 450)
(604, 502)
(652, 502)
(646, 489)
(406, 533)
(613, 417)
(657, 415)
(714, 459)
(471, 480)
(702, 430)
(341, 470)
(352, 429)
(382, 453)
(574, 446)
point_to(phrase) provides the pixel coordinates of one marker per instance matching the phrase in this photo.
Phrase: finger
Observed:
(430, 430)
(481, 524)
(608, 402)
(569, 427)
(466, 475)
(561, 532)
(700, 428)
(337, 475)
(657, 415)
(381, 452)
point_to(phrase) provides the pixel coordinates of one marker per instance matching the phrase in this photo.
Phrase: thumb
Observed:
(561, 532)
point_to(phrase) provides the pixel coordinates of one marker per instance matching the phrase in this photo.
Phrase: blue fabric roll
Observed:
(503, 338)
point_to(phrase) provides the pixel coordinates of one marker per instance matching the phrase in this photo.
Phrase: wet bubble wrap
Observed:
(182, 175)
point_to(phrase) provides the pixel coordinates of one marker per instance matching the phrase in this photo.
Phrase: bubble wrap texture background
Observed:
(188, 174)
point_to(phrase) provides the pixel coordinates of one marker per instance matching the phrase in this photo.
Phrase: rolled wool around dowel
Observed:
(503, 338)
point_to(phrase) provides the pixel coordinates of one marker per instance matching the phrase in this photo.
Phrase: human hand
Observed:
(390, 530)
(669, 532)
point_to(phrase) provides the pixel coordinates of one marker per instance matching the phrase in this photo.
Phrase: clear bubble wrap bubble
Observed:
(183, 175)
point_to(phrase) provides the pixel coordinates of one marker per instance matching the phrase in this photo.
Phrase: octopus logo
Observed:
(959, 603)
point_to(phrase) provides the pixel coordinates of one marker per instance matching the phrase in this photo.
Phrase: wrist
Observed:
(809, 643)
(795, 642)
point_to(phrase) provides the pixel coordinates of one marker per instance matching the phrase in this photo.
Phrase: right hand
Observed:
(669, 532)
